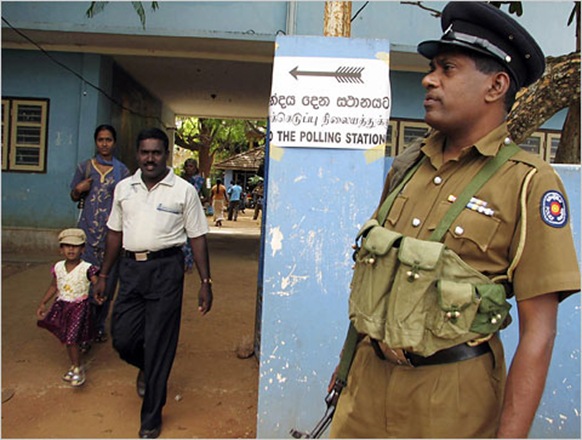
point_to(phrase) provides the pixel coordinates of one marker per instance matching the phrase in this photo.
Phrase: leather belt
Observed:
(148, 255)
(457, 353)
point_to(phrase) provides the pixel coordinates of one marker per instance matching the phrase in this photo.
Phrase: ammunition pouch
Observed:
(419, 295)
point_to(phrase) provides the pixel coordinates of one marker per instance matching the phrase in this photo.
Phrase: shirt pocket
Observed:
(170, 208)
(469, 226)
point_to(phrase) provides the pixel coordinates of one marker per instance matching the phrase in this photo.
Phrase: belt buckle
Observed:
(141, 256)
(396, 356)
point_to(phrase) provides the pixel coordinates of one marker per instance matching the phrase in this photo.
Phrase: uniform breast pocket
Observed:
(470, 227)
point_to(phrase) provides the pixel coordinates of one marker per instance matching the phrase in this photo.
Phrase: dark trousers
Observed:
(233, 207)
(145, 325)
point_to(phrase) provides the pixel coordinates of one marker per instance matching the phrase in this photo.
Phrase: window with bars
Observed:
(402, 132)
(409, 131)
(534, 144)
(391, 139)
(24, 134)
(552, 148)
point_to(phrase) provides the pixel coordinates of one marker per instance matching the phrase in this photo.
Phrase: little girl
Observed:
(69, 316)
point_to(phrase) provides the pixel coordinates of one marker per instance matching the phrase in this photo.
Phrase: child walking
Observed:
(69, 316)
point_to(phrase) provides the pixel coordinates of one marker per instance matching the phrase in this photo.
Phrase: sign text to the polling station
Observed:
(330, 102)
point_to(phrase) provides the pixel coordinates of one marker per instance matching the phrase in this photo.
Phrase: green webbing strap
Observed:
(385, 208)
(347, 355)
(478, 181)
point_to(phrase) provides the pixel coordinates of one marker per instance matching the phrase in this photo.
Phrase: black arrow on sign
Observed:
(342, 74)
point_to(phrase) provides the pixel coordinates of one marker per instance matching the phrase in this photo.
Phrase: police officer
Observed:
(522, 233)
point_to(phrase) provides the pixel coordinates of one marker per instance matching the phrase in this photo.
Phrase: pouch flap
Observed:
(422, 254)
(366, 227)
(455, 296)
(492, 297)
(379, 240)
(493, 312)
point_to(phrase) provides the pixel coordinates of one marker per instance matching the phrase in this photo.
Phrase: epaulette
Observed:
(529, 159)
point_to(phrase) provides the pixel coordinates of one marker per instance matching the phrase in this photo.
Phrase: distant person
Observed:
(218, 198)
(234, 196)
(243, 200)
(69, 317)
(191, 174)
(92, 186)
(154, 212)
(258, 194)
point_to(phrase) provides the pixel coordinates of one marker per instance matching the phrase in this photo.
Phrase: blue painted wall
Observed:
(41, 200)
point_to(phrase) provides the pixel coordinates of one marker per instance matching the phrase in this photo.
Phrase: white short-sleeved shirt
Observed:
(160, 218)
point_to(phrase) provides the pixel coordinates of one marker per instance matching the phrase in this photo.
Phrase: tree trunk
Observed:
(569, 147)
(205, 160)
(558, 88)
(337, 19)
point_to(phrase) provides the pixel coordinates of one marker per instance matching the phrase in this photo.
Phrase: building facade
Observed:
(63, 74)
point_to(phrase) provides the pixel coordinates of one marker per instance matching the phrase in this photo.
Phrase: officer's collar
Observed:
(486, 146)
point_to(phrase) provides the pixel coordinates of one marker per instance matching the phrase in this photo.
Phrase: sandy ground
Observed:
(212, 392)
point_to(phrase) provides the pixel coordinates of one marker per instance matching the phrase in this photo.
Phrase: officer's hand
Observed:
(205, 298)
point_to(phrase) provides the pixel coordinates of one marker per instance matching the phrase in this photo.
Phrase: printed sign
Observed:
(330, 102)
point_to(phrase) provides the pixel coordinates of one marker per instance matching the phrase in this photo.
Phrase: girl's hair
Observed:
(105, 127)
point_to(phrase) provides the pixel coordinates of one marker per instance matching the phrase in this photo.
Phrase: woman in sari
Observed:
(92, 187)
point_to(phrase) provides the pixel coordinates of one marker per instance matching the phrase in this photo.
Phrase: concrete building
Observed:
(63, 74)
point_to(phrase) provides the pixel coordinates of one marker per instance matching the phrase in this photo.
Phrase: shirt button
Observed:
(416, 222)
(459, 230)
(437, 180)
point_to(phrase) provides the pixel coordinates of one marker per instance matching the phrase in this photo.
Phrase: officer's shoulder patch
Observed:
(553, 209)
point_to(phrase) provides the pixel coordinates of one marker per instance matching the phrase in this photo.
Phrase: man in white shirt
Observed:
(154, 212)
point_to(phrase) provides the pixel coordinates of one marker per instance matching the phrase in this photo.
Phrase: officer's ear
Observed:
(498, 87)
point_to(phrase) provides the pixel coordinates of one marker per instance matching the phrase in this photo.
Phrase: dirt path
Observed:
(212, 393)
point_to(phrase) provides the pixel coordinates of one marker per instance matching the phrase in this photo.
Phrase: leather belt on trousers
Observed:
(147, 255)
(457, 353)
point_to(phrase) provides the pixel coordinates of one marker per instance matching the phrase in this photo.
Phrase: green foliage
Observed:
(97, 7)
(221, 137)
(575, 12)
(514, 7)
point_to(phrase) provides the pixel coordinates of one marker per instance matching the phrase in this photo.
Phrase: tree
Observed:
(97, 7)
(558, 88)
(217, 139)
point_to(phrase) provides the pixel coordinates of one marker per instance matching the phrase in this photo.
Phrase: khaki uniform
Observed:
(464, 399)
